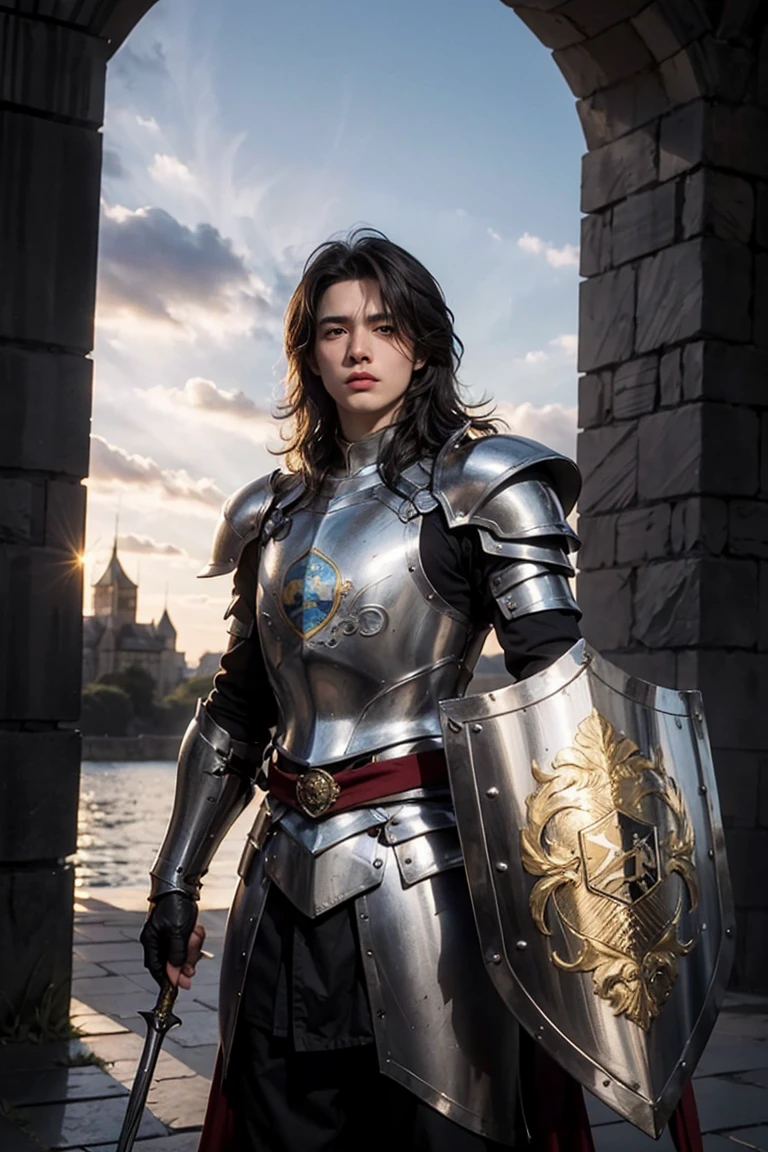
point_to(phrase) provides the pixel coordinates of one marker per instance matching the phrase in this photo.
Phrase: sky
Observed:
(239, 136)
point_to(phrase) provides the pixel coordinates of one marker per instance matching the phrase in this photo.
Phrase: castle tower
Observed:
(114, 593)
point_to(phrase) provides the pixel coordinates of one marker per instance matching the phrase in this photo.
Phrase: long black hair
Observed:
(432, 409)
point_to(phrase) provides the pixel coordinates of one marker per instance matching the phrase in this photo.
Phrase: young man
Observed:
(356, 1009)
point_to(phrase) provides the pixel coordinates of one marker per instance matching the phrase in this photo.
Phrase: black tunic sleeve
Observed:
(242, 701)
(461, 573)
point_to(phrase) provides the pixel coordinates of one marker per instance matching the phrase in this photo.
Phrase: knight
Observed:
(367, 992)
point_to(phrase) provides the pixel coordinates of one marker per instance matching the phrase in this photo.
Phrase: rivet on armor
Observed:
(703, 927)
(606, 1083)
(683, 1063)
(729, 931)
(492, 793)
(698, 716)
(502, 866)
(678, 721)
(711, 853)
(430, 596)
(408, 860)
(702, 789)
(381, 1013)
(411, 567)
(494, 958)
(363, 915)
(369, 952)
(477, 727)
(378, 863)
(521, 945)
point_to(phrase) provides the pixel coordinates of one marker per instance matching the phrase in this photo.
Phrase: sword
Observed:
(159, 1021)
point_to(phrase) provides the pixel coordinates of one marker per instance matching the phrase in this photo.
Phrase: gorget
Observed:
(358, 645)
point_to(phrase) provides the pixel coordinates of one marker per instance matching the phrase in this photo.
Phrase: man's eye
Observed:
(387, 329)
(333, 331)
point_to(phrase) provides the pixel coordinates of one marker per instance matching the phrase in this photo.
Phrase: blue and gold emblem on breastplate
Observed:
(311, 593)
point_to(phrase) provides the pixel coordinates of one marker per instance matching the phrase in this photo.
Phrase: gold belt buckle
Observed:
(316, 792)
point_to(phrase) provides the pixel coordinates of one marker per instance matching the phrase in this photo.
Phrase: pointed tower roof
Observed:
(114, 573)
(165, 627)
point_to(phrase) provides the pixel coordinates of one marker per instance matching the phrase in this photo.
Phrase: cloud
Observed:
(172, 173)
(112, 165)
(186, 280)
(135, 68)
(147, 546)
(551, 424)
(114, 469)
(535, 357)
(568, 342)
(565, 257)
(148, 122)
(494, 235)
(203, 400)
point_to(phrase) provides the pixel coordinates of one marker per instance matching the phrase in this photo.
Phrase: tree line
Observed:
(125, 703)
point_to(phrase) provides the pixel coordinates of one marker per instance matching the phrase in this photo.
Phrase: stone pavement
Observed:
(72, 1094)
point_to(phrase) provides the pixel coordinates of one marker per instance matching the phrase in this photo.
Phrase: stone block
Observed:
(595, 390)
(680, 78)
(659, 34)
(613, 112)
(39, 779)
(595, 247)
(553, 29)
(40, 50)
(643, 534)
(618, 169)
(734, 686)
(752, 953)
(699, 448)
(36, 941)
(22, 505)
(762, 634)
(699, 526)
(49, 215)
(644, 223)
(40, 634)
(761, 301)
(605, 599)
(671, 378)
(606, 319)
(748, 528)
(608, 461)
(635, 387)
(718, 204)
(65, 517)
(598, 542)
(747, 850)
(46, 410)
(654, 667)
(593, 18)
(698, 288)
(738, 780)
(681, 140)
(691, 601)
(606, 59)
(761, 216)
(735, 374)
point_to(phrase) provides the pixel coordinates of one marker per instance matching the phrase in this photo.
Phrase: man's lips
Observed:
(361, 381)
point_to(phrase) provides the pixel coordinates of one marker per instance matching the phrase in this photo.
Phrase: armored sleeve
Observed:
(516, 495)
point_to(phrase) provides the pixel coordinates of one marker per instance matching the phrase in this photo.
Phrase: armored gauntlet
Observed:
(214, 783)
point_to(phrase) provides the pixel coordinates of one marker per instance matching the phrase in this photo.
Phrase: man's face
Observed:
(365, 367)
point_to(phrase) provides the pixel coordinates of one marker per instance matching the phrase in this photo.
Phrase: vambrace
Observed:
(210, 794)
(524, 588)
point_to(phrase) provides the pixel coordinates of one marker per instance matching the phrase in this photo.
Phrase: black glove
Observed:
(166, 932)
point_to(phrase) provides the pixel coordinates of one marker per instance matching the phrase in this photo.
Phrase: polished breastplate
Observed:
(358, 645)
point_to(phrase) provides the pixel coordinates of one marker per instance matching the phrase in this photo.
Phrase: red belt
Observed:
(316, 792)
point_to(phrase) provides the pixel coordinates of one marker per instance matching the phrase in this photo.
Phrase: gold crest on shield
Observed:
(611, 842)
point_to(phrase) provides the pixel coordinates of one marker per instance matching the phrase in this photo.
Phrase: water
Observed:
(124, 810)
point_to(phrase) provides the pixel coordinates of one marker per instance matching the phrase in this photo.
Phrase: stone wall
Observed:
(673, 400)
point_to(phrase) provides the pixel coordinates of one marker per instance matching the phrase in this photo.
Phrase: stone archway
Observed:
(673, 403)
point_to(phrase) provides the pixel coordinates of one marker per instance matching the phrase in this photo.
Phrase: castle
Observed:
(114, 641)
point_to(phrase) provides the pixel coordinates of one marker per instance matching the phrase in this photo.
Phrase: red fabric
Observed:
(371, 782)
(218, 1133)
(684, 1123)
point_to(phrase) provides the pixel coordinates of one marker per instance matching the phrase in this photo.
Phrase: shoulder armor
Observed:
(241, 521)
(513, 488)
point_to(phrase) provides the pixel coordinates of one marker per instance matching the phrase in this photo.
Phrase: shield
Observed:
(589, 821)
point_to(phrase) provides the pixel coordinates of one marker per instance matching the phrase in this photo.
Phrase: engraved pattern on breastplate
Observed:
(358, 646)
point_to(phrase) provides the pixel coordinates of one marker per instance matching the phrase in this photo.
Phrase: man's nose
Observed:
(359, 345)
